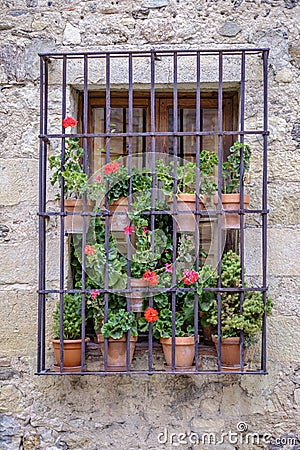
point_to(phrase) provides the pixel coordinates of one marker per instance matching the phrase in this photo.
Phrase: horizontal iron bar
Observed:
(154, 133)
(179, 52)
(157, 290)
(206, 212)
(154, 372)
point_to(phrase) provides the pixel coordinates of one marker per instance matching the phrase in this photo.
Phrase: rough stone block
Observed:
(11, 63)
(155, 3)
(230, 29)
(297, 396)
(19, 306)
(10, 432)
(20, 265)
(284, 75)
(283, 334)
(18, 182)
(279, 256)
(71, 35)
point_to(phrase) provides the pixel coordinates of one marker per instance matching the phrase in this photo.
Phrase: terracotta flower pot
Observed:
(230, 355)
(74, 224)
(118, 222)
(186, 222)
(72, 352)
(184, 350)
(136, 297)
(116, 354)
(231, 201)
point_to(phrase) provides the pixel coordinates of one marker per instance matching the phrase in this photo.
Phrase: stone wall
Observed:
(141, 412)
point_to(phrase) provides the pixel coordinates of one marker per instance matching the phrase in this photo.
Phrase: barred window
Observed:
(159, 163)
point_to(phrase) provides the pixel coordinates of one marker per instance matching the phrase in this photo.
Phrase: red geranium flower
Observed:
(111, 167)
(94, 294)
(128, 230)
(69, 122)
(151, 315)
(151, 278)
(97, 179)
(190, 276)
(89, 250)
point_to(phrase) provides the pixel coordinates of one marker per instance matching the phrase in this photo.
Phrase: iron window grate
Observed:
(155, 83)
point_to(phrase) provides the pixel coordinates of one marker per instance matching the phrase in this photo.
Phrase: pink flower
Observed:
(168, 268)
(97, 179)
(69, 122)
(128, 230)
(94, 294)
(190, 276)
(111, 167)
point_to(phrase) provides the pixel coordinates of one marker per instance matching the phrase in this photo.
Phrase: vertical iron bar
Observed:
(84, 230)
(107, 160)
(264, 206)
(242, 205)
(44, 195)
(62, 219)
(42, 233)
(197, 231)
(130, 129)
(175, 153)
(152, 169)
(220, 159)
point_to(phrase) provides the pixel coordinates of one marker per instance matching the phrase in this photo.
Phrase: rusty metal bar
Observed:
(84, 224)
(242, 204)
(42, 207)
(152, 217)
(62, 219)
(220, 159)
(264, 206)
(197, 211)
(129, 253)
(174, 240)
(156, 133)
(139, 53)
(107, 160)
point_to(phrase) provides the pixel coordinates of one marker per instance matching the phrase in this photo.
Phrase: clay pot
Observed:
(231, 201)
(186, 202)
(136, 297)
(72, 352)
(230, 355)
(184, 350)
(118, 222)
(74, 224)
(116, 354)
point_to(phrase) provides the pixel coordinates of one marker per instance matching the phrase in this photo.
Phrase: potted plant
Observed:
(162, 330)
(72, 342)
(75, 180)
(186, 186)
(119, 181)
(233, 321)
(161, 316)
(145, 257)
(119, 322)
(231, 172)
